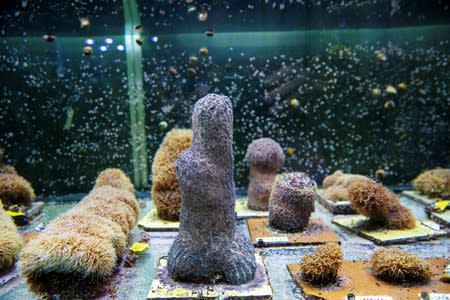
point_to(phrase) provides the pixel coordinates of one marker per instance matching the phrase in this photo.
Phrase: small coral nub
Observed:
(398, 266)
(433, 183)
(323, 265)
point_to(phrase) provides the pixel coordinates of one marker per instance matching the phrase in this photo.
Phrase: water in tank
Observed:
(360, 86)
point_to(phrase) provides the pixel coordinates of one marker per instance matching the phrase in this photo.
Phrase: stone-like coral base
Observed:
(164, 287)
(350, 282)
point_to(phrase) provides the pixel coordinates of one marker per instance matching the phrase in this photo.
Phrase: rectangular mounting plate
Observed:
(356, 278)
(360, 225)
(164, 287)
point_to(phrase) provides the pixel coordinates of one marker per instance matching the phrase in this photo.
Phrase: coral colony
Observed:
(15, 191)
(81, 248)
(399, 266)
(433, 183)
(208, 247)
(292, 201)
(10, 241)
(165, 191)
(380, 205)
(336, 185)
(323, 265)
(264, 157)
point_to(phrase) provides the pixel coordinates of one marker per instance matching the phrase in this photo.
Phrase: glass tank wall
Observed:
(358, 85)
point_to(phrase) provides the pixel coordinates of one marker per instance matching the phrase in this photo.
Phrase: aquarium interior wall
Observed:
(356, 85)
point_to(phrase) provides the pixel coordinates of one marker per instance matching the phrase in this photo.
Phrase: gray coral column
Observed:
(136, 95)
(208, 247)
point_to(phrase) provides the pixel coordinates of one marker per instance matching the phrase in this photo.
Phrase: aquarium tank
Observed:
(167, 149)
(358, 85)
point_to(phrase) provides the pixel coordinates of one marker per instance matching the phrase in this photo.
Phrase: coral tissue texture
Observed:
(323, 265)
(115, 178)
(399, 266)
(380, 205)
(433, 183)
(165, 189)
(15, 190)
(80, 249)
(10, 241)
(336, 185)
(264, 157)
(291, 201)
(208, 247)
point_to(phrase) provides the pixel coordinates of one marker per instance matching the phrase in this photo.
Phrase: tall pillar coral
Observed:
(165, 189)
(10, 241)
(292, 201)
(380, 205)
(79, 250)
(208, 247)
(265, 157)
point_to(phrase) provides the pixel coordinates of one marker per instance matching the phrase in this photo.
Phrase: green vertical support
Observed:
(136, 95)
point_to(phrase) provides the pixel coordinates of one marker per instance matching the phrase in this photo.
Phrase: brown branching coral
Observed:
(433, 183)
(165, 188)
(380, 205)
(292, 201)
(10, 241)
(336, 185)
(15, 190)
(115, 178)
(323, 265)
(80, 249)
(265, 157)
(399, 266)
